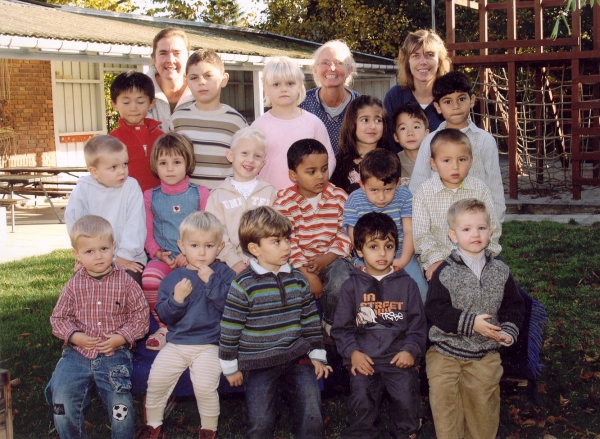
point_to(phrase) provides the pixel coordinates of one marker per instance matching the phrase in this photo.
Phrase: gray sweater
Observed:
(455, 297)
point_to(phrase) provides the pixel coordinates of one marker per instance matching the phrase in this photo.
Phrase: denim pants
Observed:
(334, 275)
(402, 386)
(414, 270)
(297, 381)
(74, 378)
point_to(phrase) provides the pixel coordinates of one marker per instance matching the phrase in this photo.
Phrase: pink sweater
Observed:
(280, 136)
(151, 245)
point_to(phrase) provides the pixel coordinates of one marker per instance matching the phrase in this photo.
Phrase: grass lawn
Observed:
(558, 264)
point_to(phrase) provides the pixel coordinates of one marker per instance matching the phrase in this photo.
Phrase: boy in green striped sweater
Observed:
(271, 333)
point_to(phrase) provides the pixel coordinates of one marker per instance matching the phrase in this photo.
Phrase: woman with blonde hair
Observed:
(423, 58)
(333, 71)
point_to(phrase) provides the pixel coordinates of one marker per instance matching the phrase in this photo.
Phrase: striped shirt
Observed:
(210, 133)
(315, 231)
(114, 304)
(430, 225)
(270, 319)
(485, 167)
(400, 207)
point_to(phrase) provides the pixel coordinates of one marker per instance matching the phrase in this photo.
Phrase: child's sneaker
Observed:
(207, 434)
(158, 340)
(149, 432)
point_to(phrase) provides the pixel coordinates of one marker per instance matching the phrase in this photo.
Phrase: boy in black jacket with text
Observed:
(380, 330)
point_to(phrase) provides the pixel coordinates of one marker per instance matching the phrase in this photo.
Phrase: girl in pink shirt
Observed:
(285, 122)
(172, 160)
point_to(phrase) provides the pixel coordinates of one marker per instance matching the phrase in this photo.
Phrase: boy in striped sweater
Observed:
(270, 331)
(320, 247)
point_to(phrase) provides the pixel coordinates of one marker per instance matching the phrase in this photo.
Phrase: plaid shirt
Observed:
(430, 226)
(114, 304)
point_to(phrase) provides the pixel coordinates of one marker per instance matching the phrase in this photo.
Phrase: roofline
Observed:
(51, 49)
(188, 23)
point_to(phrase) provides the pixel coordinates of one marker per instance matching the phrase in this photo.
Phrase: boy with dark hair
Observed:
(451, 158)
(410, 128)
(99, 315)
(320, 247)
(208, 123)
(380, 330)
(272, 342)
(453, 99)
(132, 96)
(380, 191)
(474, 307)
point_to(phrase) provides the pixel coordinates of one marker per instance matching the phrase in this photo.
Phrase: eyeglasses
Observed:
(331, 63)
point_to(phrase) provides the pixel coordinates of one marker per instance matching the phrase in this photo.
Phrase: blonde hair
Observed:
(90, 226)
(99, 146)
(413, 42)
(201, 221)
(260, 223)
(167, 33)
(283, 69)
(249, 133)
(468, 205)
(341, 48)
(450, 135)
(171, 144)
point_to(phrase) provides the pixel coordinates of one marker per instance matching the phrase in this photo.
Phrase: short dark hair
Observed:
(451, 82)
(413, 110)
(374, 225)
(451, 135)
(302, 148)
(381, 164)
(206, 55)
(130, 80)
(260, 223)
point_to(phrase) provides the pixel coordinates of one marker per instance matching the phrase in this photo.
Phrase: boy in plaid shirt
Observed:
(99, 315)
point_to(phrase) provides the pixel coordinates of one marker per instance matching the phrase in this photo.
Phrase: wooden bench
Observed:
(6, 202)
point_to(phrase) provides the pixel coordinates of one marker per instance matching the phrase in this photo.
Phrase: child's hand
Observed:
(503, 337)
(485, 328)
(239, 267)
(130, 265)
(321, 369)
(398, 263)
(403, 360)
(315, 284)
(182, 290)
(316, 264)
(204, 272)
(236, 380)
(165, 257)
(361, 363)
(180, 261)
(84, 341)
(429, 272)
(112, 342)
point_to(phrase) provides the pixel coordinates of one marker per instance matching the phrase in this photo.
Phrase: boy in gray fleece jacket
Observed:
(474, 307)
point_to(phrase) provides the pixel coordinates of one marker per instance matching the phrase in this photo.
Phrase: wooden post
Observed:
(513, 153)
(6, 426)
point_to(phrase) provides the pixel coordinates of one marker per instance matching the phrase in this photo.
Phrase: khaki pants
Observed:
(464, 395)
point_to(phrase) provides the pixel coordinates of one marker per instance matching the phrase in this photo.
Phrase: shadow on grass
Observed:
(558, 264)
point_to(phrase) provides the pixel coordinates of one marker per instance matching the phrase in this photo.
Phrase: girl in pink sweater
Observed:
(172, 160)
(285, 122)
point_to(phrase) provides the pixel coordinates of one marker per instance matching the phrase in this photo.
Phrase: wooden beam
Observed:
(450, 25)
(547, 57)
(467, 3)
(506, 44)
(513, 153)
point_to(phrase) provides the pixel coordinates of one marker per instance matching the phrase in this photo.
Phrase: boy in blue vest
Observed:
(271, 332)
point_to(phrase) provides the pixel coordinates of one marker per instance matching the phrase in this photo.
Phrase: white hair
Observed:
(343, 51)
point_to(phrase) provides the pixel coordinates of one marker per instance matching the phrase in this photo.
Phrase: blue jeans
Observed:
(74, 378)
(334, 275)
(298, 382)
(414, 270)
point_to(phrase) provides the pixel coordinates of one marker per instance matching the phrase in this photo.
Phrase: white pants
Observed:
(205, 372)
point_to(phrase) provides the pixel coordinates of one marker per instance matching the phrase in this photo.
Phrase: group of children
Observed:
(252, 278)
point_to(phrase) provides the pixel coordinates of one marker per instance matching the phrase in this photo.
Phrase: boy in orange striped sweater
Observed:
(320, 247)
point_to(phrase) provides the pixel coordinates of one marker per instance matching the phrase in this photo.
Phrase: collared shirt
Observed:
(476, 263)
(486, 164)
(114, 304)
(430, 225)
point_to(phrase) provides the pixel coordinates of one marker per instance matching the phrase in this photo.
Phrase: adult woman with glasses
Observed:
(170, 52)
(423, 58)
(333, 70)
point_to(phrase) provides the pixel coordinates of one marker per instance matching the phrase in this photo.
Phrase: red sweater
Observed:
(139, 140)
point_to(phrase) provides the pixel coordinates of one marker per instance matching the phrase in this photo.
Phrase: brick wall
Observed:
(31, 102)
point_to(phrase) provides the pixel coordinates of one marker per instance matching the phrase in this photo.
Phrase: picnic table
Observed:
(19, 180)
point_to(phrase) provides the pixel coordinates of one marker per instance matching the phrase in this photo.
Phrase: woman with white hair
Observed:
(334, 69)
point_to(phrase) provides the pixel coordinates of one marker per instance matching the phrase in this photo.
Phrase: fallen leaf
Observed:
(15, 383)
(38, 380)
(36, 366)
(25, 335)
(564, 402)
(542, 388)
(542, 424)
(548, 436)
(528, 422)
